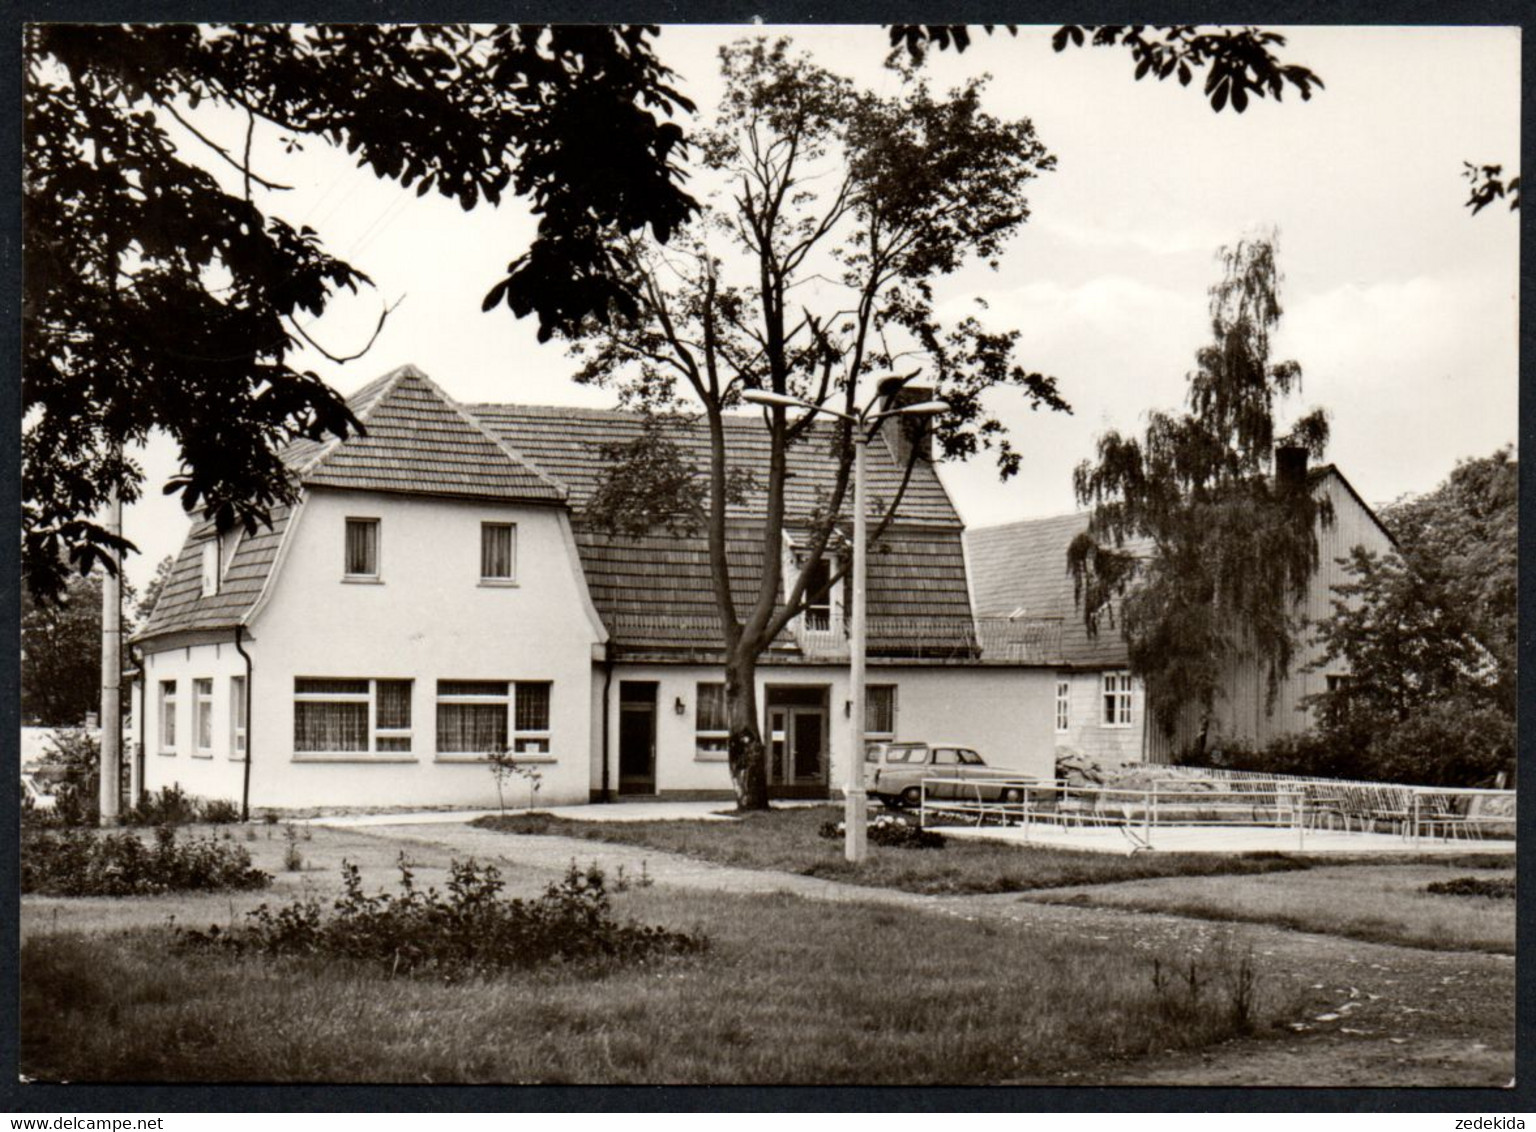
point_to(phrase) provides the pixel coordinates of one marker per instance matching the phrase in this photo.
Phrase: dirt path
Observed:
(1370, 1014)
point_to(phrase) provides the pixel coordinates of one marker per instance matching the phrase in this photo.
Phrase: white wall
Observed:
(215, 773)
(1087, 732)
(428, 618)
(1004, 713)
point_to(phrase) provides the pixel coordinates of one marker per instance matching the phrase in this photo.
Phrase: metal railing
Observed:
(1416, 814)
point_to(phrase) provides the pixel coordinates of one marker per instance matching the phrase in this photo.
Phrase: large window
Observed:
(711, 722)
(362, 548)
(879, 712)
(1117, 699)
(167, 717)
(498, 552)
(1063, 706)
(237, 717)
(351, 716)
(471, 716)
(202, 705)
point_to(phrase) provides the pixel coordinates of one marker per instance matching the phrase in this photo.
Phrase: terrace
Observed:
(1231, 811)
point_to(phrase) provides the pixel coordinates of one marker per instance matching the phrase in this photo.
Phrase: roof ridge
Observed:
(1013, 523)
(501, 446)
(379, 389)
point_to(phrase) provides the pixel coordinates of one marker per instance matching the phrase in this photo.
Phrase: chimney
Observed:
(902, 434)
(1290, 468)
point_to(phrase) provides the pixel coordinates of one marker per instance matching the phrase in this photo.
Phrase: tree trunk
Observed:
(749, 762)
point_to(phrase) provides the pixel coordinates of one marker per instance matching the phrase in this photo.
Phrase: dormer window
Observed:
(818, 597)
(210, 567)
(362, 549)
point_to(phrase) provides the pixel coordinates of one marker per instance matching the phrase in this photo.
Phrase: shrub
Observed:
(171, 806)
(72, 763)
(220, 811)
(1495, 888)
(470, 930)
(75, 862)
(293, 860)
(890, 832)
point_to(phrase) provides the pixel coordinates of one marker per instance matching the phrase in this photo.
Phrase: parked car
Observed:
(41, 795)
(900, 768)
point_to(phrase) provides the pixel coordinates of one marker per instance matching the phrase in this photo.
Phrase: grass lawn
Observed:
(786, 840)
(790, 991)
(1381, 903)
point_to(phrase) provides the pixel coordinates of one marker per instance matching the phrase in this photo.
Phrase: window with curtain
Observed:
(168, 717)
(330, 715)
(880, 712)
(711, 721)
(531, 718)
(498, 552)
(237, 717)
(202, 694)
(472, 716)
(392, 715)
(351, 715)
(362, 549)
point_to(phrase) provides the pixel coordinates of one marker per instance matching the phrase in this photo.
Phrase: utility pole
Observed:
(855, 797)
(112, 669)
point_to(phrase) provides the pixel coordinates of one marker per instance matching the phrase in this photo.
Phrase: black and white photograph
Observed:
(866, 555)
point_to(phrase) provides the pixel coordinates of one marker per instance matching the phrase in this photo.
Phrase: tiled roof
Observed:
(1019, 570)
(655, 594)
(419, 441)
(568, 444)
(181, 606)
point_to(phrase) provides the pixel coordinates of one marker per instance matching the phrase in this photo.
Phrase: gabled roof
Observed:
(1019, 570)
(655, 594)
(568, 443)
(419, 441)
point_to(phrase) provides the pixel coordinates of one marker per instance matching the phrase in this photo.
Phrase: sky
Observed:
(1401, 309)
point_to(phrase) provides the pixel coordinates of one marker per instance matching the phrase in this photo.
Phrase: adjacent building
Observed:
(1019, 570)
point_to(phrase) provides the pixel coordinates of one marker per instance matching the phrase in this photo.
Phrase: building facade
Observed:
(1101, 711)
(436, 593)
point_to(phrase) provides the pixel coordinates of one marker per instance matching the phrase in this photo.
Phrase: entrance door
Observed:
(637, 737)
(798, 755)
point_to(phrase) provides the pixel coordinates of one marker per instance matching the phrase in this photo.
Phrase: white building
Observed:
(435, 593)
(1100, 710)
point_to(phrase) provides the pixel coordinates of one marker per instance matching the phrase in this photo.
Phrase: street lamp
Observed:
(855, 815)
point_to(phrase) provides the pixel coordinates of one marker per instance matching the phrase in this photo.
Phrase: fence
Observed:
(1302, 806)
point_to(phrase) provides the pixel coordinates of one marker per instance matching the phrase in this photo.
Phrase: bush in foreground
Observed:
(80, 862)
(1496, 888)
(889, 831)
(471, 930)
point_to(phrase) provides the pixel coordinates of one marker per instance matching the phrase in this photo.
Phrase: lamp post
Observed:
(855, 812)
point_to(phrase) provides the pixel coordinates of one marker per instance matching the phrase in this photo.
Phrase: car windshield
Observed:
(971, 758)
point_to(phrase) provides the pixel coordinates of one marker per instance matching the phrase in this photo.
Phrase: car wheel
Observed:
(912, 796)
